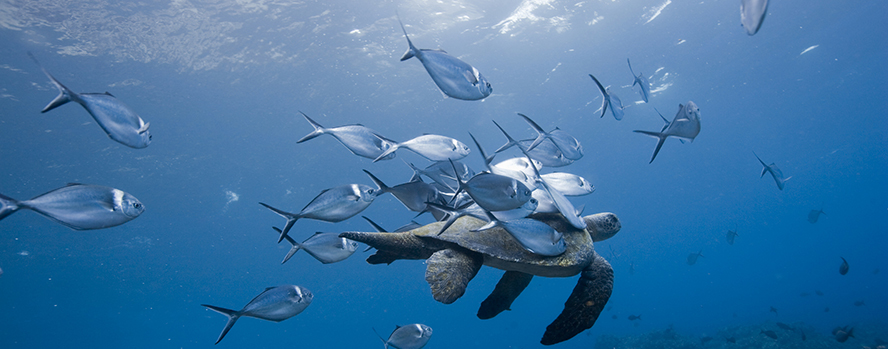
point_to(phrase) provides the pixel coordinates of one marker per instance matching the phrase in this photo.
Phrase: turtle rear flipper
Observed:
(449, 271)
(585, 303)
(507, 289)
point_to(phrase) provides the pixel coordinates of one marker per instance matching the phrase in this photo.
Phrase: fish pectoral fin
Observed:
(144, 128)
(471, 76)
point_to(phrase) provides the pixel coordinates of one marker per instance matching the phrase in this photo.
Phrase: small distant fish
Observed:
(634, 317)
(455, 78)
(769, 333)
(730, 340)
(808, 49)
(814, 215)
(274, 304)
(774, 310)
(614, 317)
(414, 336)
(730, 236)
(704, 340)
(432, 147)
(642, 82)
(859, 303)
(826, 310)
(752, 14)
(79, 206)
(818, 292)
(784, 326)
(118, 121)
(331, 205)
(843, 269)
(692, 258)
(609, 100)
(325, 247)
(686, 124)
(775, 172)
(804, 337)
(842, 334)
(358, 139)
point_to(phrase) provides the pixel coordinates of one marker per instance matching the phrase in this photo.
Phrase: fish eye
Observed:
(137, 205)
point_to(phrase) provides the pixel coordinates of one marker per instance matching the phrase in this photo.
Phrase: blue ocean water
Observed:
(221, 83)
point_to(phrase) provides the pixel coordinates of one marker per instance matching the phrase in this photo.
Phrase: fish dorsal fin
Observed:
(71, 184)
(109, 94)
(433, 50)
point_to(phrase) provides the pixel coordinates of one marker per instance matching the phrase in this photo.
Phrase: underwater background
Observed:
(222, 83)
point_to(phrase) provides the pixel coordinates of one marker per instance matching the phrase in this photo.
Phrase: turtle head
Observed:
(602, 226)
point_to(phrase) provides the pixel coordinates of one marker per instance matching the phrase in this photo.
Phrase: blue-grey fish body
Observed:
(752, 14)
(642, 82)
(730, 236)
(535, 236)
(331, 205)
(775, 172)
(569, 184)
(414, 195)
(274, 304)
(441, 172)
(497, 193)
(80, 206)
(325, 247)
(118, 121)
(843, 269)
(814, 215)
(521, 212)
(692, 258)
(547, 153)
(568, 145)
(455, 78)
(413, 336)
(609, 100)
(360, 140)
(686, 125)
(432, 147)
(545, 203)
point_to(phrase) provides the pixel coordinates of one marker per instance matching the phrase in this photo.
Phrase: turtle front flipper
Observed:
(507, 289)
(449, 271)
(585, 303)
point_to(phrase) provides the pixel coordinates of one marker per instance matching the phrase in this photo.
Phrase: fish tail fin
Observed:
(452, 212)
(487, 159)
(318, 129)
(8, 206)
(509, 140)
(541, 134)
(661, 138)
(631, 71)
(382, 187)
(232, 315)
(384, 342)
(296, 246)
(460, 185)
(291, 219)
(411, 50)
(851, 332)
(375, 226)
(387, 151)
(65, 94)
(603, 95)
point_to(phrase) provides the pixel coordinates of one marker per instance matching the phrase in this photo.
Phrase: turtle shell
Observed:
(500, 250)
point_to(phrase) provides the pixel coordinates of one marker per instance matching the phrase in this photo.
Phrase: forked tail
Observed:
(232, 318)
(8, 206)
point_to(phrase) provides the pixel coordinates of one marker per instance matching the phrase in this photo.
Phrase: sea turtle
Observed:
(454, 257)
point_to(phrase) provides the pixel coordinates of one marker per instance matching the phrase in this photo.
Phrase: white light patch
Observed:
(118, 199)
(808, 49)
(656, 11)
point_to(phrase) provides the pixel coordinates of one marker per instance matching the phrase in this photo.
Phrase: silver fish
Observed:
(569, 184)
(441, 172)
(452, 214)
(569, 146)
(730, 236)
(564, 206)
(331, 205)
(546, 153)
(752, 14)
(609, 100)
(686, 124)
(413, 195)
(455, 78)
(325, 247)
(692, 258)
(432, 147)
(843, 269)
(79, 206)
(118, 121)
(360, 140)
(775, 172)
(274, 304)
(413, 336)
(522, 212)
(495, 192)
(642, 82)
(535, 236)
(814, 215)
(545, 203)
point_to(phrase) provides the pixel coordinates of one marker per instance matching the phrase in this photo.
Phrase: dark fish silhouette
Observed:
(692, 258)
(769, 333)
(704, 340)
(826, 310)
(818, 292)
(784, 326)
(859, 303)
(730, 236)
(843, 333)
(843, 269)
(633, 317)
(775, 172)
(814, 215)
(730, 340)
(804, 337)
(774, 310)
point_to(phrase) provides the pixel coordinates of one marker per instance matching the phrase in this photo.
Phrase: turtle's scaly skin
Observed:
(454, 257)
